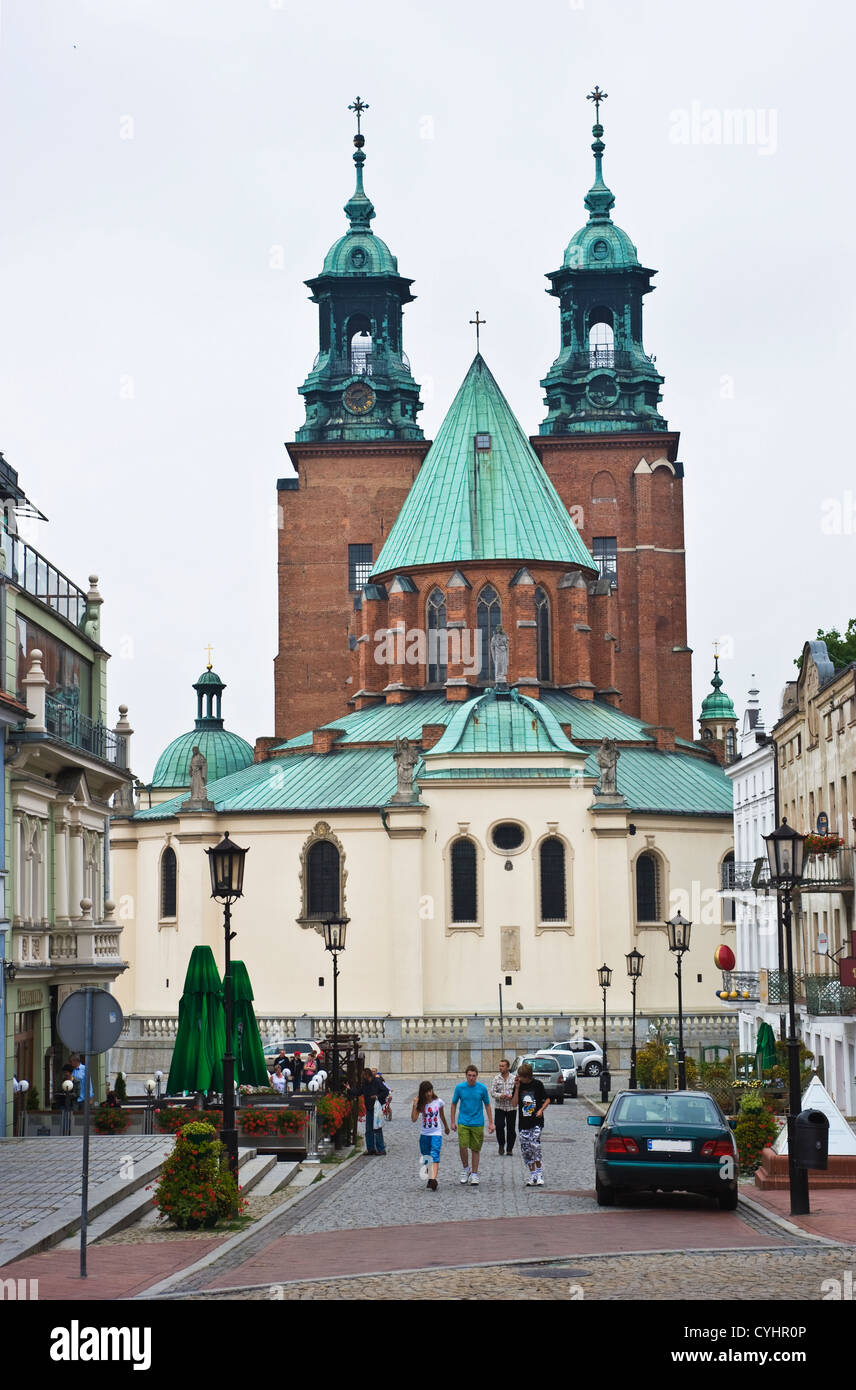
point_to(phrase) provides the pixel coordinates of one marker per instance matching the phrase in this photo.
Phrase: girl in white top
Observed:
(278, 1080)
(428, 1107)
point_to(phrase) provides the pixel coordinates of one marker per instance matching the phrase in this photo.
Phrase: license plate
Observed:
(676, 1146)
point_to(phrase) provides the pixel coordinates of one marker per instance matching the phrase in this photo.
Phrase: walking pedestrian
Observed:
(297, 1071)
(532, 1101)
(428, 1105)
(374, 1093)
(472, 1097)
(505, 1110)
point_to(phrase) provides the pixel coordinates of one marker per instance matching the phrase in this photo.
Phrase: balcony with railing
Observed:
(65, 722)
(745, 875)
(829, 872)
(740, 986)
(361, 362)
(825, 994)
(23, 564)
(609, 357)
(777, 987)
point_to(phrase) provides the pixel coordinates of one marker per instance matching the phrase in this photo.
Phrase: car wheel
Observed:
(573, 1093)
(728, 1200)
(593, 1069)
(605, 1195)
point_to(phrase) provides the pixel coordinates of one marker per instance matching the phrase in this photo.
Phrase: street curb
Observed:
(234, 1242)
(784, 1225)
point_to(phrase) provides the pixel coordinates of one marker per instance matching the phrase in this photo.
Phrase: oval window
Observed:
(508, 835)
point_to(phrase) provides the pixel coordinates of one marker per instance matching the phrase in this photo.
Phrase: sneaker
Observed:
(465, 1176)
(539, 1181)
(423, 1172)
(531, 1180)
(474, 1179)
(432, 1184)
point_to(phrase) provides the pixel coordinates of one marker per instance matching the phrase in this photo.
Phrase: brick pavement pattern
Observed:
(112, 1271)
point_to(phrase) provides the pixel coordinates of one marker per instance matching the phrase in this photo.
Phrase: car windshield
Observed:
(544, 1064)
(679, 1109)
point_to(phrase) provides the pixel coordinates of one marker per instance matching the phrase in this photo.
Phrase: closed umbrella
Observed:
(250, 1069)
(197, 1059)
(765, 1049)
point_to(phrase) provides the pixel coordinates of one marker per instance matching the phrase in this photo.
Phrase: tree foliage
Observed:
(841, 646)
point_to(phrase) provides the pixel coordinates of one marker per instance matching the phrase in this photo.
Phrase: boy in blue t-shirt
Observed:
(472, 1097)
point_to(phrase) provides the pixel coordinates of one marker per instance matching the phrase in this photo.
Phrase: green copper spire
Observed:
(359, 207)
(482, 492)
(599, 200)
(717, 705)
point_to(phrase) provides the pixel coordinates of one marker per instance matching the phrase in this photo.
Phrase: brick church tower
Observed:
(603, 444)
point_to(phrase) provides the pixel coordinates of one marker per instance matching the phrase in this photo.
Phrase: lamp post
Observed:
(679, 942)
(68, 1087)
(148, 1121)
(335, 929)
(226, 862)
(634, 960)
(604, 979)
(786, 853)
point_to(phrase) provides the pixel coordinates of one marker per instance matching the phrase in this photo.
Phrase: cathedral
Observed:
(485, 759)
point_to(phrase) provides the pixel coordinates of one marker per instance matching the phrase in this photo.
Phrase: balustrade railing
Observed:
(66, 722)
(23, 564)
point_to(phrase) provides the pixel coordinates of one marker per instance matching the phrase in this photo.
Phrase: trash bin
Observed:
(811, 1139)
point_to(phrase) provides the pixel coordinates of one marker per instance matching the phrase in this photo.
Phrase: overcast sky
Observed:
(173, 170)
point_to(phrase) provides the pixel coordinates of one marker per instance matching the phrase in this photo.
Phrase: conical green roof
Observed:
(482, 493)
(717, 705)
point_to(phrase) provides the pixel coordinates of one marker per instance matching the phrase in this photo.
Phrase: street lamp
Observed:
(604, 979)
(335, 929)
(226, 862)
(679, 942)
(634, 960)
(786, 853)
(68, 1087)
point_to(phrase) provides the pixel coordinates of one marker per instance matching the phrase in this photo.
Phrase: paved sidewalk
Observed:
(40, 1182)
(113, 1271)
(833, 1210)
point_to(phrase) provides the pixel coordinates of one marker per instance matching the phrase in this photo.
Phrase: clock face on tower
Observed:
(359, 398)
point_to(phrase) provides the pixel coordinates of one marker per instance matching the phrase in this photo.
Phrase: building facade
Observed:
(63, 765)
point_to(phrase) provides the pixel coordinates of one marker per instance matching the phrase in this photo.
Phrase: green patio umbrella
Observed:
(197, 1059)
(250, 1069)
(765, 1049)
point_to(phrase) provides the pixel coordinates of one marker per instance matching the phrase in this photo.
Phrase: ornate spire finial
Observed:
(599, 199)
(209, 650)
(477, 323)
(358, 207)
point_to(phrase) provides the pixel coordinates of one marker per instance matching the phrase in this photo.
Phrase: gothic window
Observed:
(604, 551)
(601, 339)
(323, 880)
(436, 637)
(169, 883)
(542, 634)
(647, 888)
(730, 745)
(728, 882)
(464, 891)
(359, 566)
(552, 877)
(488, 619)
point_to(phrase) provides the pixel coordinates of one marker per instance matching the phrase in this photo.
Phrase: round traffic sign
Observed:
(107, 1020)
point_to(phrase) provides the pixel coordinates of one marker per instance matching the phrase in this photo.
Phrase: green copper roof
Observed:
(467, 503)
(717, 705)
(503, 723)
(209, 677)
(672, 783)
(225, 753)
(600, 245)
(359, 251)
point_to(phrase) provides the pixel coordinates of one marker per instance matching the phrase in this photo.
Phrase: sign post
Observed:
(89, 1022)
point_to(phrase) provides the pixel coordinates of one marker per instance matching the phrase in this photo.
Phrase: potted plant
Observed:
(195, 1188)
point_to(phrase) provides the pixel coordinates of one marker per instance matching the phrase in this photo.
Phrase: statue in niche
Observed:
(607, 759)
(499, 653)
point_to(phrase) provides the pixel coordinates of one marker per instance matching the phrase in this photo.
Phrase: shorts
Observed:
(430, 1145)
(471, 1137)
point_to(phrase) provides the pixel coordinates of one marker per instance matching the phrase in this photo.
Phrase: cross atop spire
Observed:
(359, 207)
(597, 96)
(358, 106)
(477, 323)
(209, 650)
(599, 200)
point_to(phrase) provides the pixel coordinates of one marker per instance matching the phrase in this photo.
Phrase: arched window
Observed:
(601, 339)
(360, 346)
(729, 913)
(322, 895)
(169, 883)
(488, 619)
(554, 906)
(436, 625)
(647, 888)
(730, 745)
(464, 882)
(542, 634)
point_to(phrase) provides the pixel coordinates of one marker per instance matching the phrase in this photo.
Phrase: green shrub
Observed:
(652, 1066)
(195, 1187)
(120, 1089)
(755, 1129)
(111, 1120)
(32, 1102)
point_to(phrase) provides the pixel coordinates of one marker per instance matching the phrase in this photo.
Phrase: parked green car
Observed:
(666, 1141)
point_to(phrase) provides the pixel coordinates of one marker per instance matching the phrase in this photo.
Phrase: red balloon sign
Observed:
(723, 958)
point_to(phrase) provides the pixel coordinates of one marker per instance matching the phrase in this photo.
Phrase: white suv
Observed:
(588, 1053)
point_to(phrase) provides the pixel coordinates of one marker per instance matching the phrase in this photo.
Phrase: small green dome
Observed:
(717, 705)
(360, 253)
(225, 753)
(209, 677)
(600, 246)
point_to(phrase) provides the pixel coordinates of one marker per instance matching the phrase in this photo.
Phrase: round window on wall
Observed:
(508, 835)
